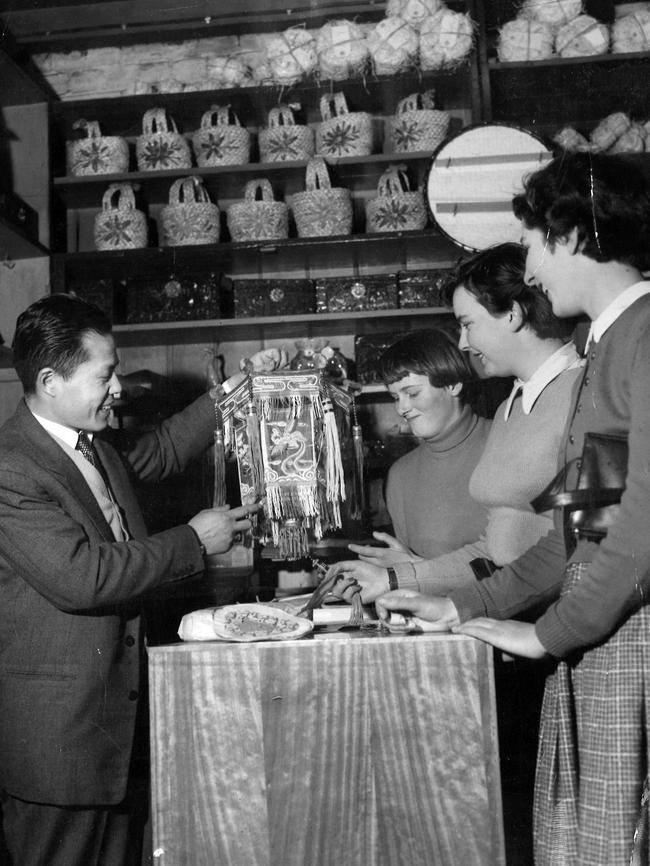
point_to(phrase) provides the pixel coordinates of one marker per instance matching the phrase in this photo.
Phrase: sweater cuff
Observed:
(553, 635)
(407, 576)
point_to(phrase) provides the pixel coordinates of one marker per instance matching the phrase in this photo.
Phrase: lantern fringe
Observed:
(358, 487)
(334, 476)
(292, 540)
(219, 462)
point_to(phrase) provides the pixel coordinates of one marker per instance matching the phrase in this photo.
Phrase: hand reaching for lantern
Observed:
(382, 557)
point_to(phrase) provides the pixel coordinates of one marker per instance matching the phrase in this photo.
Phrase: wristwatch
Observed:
(392, 578)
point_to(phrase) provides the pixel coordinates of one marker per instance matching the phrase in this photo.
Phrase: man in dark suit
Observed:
(75, 559)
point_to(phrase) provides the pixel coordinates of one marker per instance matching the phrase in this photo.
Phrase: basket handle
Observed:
(261, 185)
(394, 181)
(123, 195)
(91, 127)
(317, 175)
(187, 190)
(417, 101)
(156, 120)
(281, 115)
(339, 103)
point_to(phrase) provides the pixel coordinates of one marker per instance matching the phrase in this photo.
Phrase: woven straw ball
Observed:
(414, 12)
(524, 39)
(631, 32)
(292, 56)
(228, 72)
(342, 50)
(556, 13)
(632, 141)
(609, 130)
(570, 139)
(582, 37)
(446, 39)
(393, 45)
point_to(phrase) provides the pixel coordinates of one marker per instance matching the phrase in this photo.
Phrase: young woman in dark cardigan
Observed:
(586, 226)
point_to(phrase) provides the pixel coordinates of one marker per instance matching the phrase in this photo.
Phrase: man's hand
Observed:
(393, 553)
(436, 612)
(372, 580)
(517, 638)
(217, 527)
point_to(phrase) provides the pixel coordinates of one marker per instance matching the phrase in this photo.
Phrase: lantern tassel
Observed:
(358, 498)
(255, 448)
(219, 459)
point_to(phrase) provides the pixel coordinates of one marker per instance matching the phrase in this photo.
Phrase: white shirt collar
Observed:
(65, 434)
(617, 307)
(565, 358)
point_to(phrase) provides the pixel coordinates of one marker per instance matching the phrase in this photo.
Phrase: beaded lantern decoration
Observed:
(286, 429)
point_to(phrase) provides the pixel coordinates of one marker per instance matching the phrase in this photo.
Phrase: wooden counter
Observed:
(343, 749)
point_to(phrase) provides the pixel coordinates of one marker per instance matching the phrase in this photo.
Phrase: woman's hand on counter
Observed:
(517, 638)
(440, 612)
(382, 557)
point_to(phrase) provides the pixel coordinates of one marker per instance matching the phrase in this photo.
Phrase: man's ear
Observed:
(455, 389)
(46, 382)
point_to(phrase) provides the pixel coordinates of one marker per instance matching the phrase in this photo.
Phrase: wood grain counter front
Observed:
(344, 749)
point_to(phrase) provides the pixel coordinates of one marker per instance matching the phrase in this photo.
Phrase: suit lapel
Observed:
(44, 450)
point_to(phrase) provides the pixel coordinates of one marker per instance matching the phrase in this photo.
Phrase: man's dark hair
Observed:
(495, 277)
(606, 198)
(432, 353)
(50, 333)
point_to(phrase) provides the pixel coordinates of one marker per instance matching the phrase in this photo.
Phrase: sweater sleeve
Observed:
(395, 505)
(444, 573)
(617, 582)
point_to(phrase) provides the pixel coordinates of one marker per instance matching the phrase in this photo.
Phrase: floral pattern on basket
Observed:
(417, 124)
(283, 139)
(97, 153)
(190, 217)
(119, 225)
(260, 219)
(221, 140)
(322, 209)
(341, 132)
(161, 146)
(397, 207)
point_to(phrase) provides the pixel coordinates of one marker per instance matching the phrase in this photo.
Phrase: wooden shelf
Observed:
(271, 327)
(386, 252)
(228, 181)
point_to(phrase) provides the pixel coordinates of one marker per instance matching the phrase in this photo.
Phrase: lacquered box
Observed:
(272, 297)
(355, 294)
(422, 288)
(177, 299)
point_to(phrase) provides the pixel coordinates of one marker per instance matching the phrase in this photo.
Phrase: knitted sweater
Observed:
(519, 460)
(614, 397)
(427, 491)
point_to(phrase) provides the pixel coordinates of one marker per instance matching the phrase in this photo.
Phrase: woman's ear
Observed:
(455, 389)
(516, 316)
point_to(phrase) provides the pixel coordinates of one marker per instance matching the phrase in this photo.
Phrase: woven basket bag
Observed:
(322, 209)
(341, 132)
(221, 140)
(417, 125)
(397, 207)
(258, 219)
(119, 225)
(190, 217)
(161, 146)
(97, 153)
(283, 139)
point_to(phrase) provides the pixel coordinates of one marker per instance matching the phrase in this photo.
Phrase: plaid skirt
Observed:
(593, 755)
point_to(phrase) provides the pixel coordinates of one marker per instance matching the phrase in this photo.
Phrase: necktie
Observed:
(86, 447)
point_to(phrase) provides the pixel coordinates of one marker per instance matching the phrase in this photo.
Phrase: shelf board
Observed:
(229, 180)
(265, 327)
(397, 250)
(497, 66)
(16, 244)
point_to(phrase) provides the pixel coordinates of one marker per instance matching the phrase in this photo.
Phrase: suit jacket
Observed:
(70, 646)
